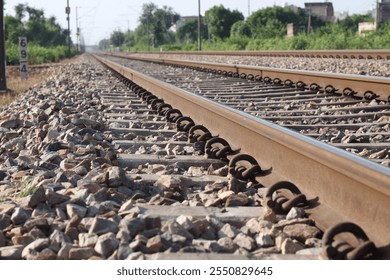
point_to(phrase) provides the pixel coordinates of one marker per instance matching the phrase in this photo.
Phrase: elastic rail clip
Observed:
(156, 102)
(369, 95)
(329, 89)
(341, 250)
(349, 92)
(134, 87)
(314, 87)
(145, 95)
(300, 85)
(218, 148)
(246, 171)
(172, 115)
(281, 201)
(199, 133)
(141, 91)
(162, 109)
(184, 124)
(289, 83)
(150, 98)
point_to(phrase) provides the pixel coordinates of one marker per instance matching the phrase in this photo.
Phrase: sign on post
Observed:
(23, 58)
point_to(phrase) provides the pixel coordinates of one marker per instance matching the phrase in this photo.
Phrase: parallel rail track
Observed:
(354, 124)
(343, 183)
(350, 85)
(353, 54)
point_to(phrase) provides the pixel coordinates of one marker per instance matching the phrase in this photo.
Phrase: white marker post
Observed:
(23, 58)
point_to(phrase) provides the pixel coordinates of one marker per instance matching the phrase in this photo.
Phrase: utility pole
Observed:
(148, 15)
(67, 11)
(377, 15)
(249, 8)
(128, 33)
(199, 28)
(147, 30)
(309, 21)
(77, 30)
(3, 81)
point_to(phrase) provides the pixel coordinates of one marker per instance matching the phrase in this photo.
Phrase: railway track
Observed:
(181, 189)
(290, 60)
(309, 103)
(275, 148)
(115, 172)
(107, 177)
(353, 54)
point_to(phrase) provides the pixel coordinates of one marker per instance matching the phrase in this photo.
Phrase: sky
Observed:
(98, 18)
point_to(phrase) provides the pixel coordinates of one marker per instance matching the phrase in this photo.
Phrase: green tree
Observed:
(13, 29)
(155, 24)
(272, 22)
(104, 44)
(117, 38)
(351, 23)
(188, 32)
(46, 39)
(240, 28)
(129, 39)
(56, 35)
(20, 11)
(220, 20)
(33, 24)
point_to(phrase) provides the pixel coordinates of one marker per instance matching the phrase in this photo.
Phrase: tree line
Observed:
(47, 40)
(225, 29)
(222, 29)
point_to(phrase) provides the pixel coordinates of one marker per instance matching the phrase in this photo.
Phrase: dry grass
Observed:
(37, 74)
(16, 86)
(6, 98)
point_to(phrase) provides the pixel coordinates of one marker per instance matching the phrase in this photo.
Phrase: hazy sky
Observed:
(98, 18)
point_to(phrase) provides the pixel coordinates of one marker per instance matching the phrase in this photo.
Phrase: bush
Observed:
(299, 42)
(328, 37)
(37, 54)
(238, 42)
(170, 48)
(12, 54)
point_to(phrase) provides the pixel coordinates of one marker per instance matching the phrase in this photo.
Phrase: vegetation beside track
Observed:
(47, 41)
(264, 29)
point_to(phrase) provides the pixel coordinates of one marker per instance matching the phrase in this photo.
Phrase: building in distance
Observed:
(383, 11)
(323, 10)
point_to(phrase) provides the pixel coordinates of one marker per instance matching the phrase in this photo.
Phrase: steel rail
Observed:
(352, 54)
(367, 87)
(348, 187)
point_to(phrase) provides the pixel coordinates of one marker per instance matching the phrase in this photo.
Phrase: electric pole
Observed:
(147, 29)
(77, 30)
(377, 15)
(3, 82)
(199, 28)
(309, 21)
(67, 11)
(128, 33)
